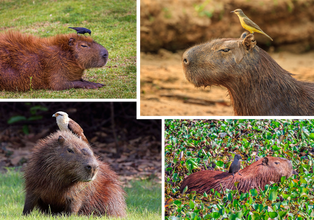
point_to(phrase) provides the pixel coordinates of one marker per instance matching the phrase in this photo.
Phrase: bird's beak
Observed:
(54, 115)
(231, 11)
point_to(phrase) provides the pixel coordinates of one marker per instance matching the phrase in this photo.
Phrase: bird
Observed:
(81, 30)
(248, 24)
(235, 165)
(67, 124)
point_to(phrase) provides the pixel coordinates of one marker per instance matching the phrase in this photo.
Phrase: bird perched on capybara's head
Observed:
(81, 30)
(64, 177)
(56, 63)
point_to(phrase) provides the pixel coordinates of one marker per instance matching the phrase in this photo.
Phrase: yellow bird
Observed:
(248, 24)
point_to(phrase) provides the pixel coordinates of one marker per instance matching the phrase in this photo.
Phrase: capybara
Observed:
(257, 85)
(64, 177)
(256, 175)
(56, 63)
(235, 165)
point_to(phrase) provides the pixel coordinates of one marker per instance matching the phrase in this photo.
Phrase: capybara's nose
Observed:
(185, 59)
(91, 167)
(105, 53)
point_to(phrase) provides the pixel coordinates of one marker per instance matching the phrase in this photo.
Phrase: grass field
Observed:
(194, 145)
(113, 25)
(143, 200)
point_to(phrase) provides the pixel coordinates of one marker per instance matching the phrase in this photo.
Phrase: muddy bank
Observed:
(166, 92)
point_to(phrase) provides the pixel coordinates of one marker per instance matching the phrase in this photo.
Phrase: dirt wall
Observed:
(179, 24)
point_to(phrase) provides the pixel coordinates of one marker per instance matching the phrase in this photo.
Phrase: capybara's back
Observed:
(57, 63)
(264, 171)
(64, 176)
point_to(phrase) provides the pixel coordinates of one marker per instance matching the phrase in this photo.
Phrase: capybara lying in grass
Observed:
(64, 177)
(257, 85)
(257, 175)
(57, 63)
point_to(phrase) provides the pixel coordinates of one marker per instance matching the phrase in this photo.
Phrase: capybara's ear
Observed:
(71, 41)
(244, 34)
(61, 140)
(238, 54)
(249, 42)
(265, 161)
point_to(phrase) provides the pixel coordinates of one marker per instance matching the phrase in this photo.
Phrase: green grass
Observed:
(194, 145)
(113, 25)
(143, 200)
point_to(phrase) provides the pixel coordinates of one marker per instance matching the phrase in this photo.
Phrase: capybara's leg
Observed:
(99, 85)
(30, 202)
(73, 206)
(77, 84)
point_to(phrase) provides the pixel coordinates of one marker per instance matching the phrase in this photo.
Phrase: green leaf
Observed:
(177, 203)
(273, 195)
(25, 129)
(35, 117)
(15, 119)
(191, 204)
(272, 214)
(220, 163)
(311, 135)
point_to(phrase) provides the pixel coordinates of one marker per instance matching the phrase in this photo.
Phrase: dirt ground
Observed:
(166, 92)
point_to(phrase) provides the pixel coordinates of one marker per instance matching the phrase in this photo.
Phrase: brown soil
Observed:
(166, 92)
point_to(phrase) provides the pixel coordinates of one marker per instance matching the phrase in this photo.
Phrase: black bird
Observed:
(81, 30)
(235, 166)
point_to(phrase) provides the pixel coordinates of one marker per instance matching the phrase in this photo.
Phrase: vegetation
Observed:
(113, 25)
(194, 145)
(143, 200)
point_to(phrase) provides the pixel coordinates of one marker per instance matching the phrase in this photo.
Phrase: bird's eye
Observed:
(225, 50)
(70, 150)
(83, 45)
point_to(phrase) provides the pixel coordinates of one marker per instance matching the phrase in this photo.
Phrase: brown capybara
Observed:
(257, 175)
(57, 63)
(257, 85)
(64, 177)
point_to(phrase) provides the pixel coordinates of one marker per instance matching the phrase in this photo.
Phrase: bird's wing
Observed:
(250, 23)
(76, 129)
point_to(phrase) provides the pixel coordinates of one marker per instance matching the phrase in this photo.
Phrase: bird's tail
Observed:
(267, 36)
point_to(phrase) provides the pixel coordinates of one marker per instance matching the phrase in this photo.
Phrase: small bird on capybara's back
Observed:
(56, 63)
(64, 177)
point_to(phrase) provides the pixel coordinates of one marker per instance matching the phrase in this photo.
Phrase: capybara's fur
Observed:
(257, 175)
(57, 63)
(257, 85)
(64, 177)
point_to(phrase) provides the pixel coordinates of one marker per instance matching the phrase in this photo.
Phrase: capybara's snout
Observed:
(91, 169)
(104, 53)
(186, 59)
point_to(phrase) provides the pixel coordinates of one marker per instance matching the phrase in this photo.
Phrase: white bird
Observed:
(67, 124)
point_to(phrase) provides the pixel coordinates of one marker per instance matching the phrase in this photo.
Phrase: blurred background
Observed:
(169, 27)
(131, 147)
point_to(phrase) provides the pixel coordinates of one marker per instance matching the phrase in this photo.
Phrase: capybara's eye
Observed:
(276, 162)
(225, 50)
(70, 150)
(83, 45)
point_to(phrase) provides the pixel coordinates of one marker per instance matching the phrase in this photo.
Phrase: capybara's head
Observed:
(220, 61)
(87, 52)
(63, 159)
